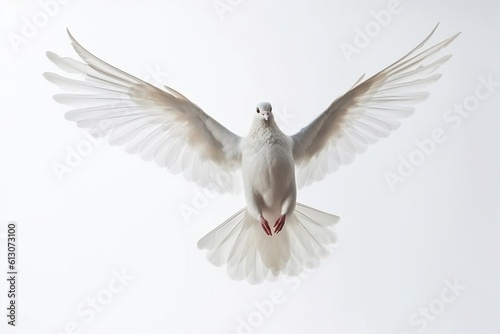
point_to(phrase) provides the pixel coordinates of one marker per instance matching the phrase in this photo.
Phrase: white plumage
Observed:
(273, 235)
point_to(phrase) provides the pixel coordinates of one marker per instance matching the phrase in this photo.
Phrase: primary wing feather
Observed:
(159, 124)
(371, 110)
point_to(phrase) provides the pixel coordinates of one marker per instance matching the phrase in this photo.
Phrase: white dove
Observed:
(273, 235)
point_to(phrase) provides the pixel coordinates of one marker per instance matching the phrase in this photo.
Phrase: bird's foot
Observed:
(278, 226)
(265, 225)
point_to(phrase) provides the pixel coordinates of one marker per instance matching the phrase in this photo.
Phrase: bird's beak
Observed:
(266, 117)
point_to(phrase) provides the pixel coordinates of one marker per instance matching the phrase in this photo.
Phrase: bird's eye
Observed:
(271, 109)
(258, 111)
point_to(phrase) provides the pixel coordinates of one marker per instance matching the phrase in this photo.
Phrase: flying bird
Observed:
(273, 234)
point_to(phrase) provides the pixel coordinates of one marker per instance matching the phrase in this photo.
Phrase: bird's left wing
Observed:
(371, 110)
(159, 124)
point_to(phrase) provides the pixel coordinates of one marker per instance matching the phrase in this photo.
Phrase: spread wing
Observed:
(159, 124)
(371, 110)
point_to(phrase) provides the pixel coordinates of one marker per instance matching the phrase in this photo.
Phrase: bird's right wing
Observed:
(371, 110)
(160, 124)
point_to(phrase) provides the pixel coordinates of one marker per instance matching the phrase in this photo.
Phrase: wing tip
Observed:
(53, 57)
(435, 28)
(70, 35)
(62, 99)
(49, 76)
(454, 36)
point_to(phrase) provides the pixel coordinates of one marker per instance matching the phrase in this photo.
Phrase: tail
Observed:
(241, 244)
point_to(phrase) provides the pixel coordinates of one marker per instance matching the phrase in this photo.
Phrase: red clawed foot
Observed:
(278, 226)
(265, 225)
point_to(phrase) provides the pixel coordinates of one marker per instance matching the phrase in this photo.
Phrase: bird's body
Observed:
(267, 163)
(273, 234)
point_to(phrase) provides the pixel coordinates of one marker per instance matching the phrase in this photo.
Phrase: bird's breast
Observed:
(269, 173)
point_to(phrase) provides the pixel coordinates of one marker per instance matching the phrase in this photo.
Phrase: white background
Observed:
(113, 212)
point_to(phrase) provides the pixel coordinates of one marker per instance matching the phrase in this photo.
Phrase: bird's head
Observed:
(264, 112)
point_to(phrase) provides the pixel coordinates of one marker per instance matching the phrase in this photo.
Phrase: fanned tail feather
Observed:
(241, 244)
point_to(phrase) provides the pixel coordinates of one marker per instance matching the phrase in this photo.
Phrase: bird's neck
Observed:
(264, 131)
